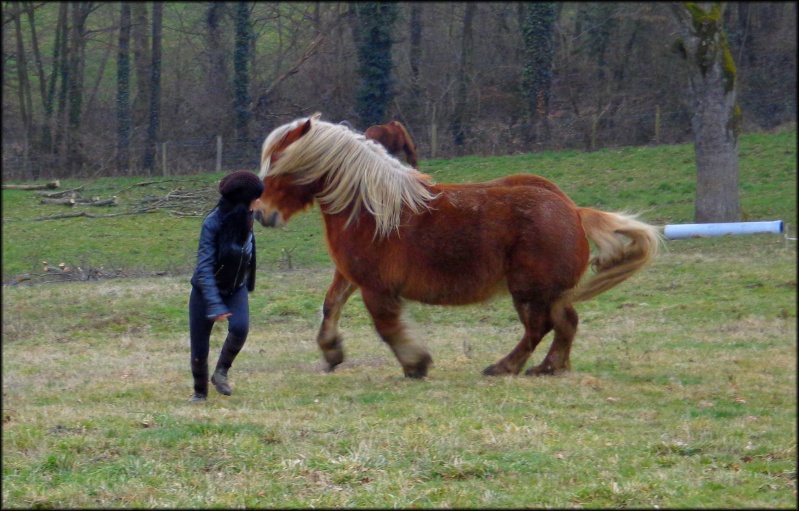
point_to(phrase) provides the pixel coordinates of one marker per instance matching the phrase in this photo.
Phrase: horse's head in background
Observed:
(395, 139)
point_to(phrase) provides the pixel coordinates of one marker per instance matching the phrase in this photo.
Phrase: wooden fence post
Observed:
(433, 134)
(219, 153)
(163, 159)
(657, 123)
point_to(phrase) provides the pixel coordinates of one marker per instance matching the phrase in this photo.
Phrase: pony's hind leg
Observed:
(386, 312)
(329, 339)
(535, 318)
(564, 320)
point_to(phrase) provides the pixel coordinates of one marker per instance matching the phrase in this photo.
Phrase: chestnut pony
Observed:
(394, 138)
(396, 235)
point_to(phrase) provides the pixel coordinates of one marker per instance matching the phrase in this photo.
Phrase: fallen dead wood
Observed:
(191, 214)
(55, 195)
(67, 202)
(147, 183)
(183, 203)
(107, 202)
(87, 215)
(46, 186)
(77, 201)
(177, 203)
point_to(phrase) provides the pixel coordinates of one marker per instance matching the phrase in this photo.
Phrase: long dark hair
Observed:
(237, 220)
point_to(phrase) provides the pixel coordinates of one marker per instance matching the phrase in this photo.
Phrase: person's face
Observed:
(252, 204)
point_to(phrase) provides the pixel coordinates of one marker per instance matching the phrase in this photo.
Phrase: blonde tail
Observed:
(616, 260)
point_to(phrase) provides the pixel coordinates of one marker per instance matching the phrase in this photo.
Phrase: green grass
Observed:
(682, 392)
(658, 181)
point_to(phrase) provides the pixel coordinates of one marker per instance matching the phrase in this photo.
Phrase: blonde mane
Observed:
(358, 172)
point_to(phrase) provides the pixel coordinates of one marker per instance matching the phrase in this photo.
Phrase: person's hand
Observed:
(222, 317)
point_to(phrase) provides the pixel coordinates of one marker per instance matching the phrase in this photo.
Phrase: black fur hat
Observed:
(241, 186)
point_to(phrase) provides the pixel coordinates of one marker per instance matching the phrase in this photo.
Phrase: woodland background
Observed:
(463, 78)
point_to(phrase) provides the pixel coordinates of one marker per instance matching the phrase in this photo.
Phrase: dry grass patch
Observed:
(676, 399)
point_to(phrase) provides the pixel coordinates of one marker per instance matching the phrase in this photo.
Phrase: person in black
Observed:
(224, 274)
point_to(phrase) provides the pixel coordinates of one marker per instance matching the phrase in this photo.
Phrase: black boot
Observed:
(230, 349)
(199, 370)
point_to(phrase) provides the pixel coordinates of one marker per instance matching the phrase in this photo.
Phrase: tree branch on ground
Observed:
(46, 186)
(55, 195)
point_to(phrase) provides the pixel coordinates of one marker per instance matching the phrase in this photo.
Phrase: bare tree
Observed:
(140, 39)
(716, 118)
(123, 89)
(614, 81)
(539, 51)
(23, 83)
(415, 27)
(241, 78)
(217, 86)
(73, 82)
(459, 125)
(45, 132)
(371, 27)
(155, 89)
(57, 95)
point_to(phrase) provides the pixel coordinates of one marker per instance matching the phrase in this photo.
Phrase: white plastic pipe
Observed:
(681, 231)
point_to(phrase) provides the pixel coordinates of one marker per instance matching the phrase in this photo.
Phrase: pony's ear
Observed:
(307, 126)
(292, 136)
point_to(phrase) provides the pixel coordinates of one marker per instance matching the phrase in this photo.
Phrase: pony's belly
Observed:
(454, 295)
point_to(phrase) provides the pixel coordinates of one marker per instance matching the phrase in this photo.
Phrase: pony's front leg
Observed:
(386, 312)
(329, 339)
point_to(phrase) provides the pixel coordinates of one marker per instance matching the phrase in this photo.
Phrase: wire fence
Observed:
(642, 124)
(172, 158)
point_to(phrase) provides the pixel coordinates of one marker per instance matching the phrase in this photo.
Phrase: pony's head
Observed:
(309, 159)
(267, 211)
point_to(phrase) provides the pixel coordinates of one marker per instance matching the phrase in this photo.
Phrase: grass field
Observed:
(682, 392)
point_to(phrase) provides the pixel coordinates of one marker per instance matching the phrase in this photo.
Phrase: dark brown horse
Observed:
(395, 234)
(394, 138)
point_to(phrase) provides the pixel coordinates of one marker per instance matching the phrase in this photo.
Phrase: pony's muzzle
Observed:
(271, 220)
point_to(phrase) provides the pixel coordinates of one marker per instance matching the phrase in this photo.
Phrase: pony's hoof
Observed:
(331, 364)
(496, 370)
(419, 369)
(333, 357)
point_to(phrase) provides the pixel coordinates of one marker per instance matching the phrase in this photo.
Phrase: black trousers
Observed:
(200, 327)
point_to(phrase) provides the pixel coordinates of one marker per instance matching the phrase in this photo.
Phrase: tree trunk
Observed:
(76, 66)
(59, 55)
(123, 90)
(415, 57)
(372, 22)
(716, 117)
(24, 88)
(538, 22)
(155, 90)
(459, 124)
(217, 86)
(416, 41)
(44, 129)
(140, 39)
(241, 79)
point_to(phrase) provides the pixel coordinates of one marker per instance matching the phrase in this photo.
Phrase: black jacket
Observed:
(221, 270)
